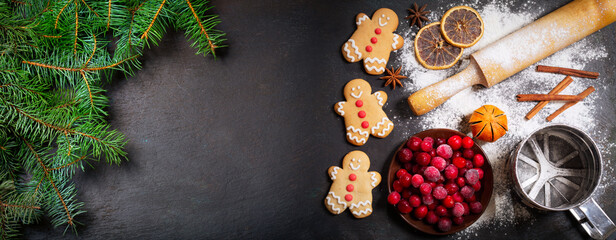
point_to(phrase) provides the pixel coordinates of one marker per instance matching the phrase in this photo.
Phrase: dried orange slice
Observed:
(432, 51)
(462, 26)
(488, 123)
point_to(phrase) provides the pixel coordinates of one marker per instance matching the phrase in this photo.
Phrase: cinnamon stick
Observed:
(584, 94)
(559, 88)
(567, 71)
(547, 97)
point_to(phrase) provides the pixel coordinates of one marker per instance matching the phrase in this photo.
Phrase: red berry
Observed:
(432, 206)
(432, 174)
(467, 142)
(441, 211)
(460, 181)
(423, 158)
(467, 209)
(477, 186)
(451, 188)
(459, 162)
(457, 197)
(471, 199)
(393, 198)
(406, 193)
(417, 180)
(415, 201)
(439, 193)
(425, 189)
(429, 139)
(471, 176)
(426, 144)
(456, 154)
(431, 218)
(478, 160)
(444, 151)
(469, 164)
(414, 143)
(439, 163)
(458, 210)
(404, 206)
(462, 171)
(444, 224)
(401, 172)
(408, 166)
(448, 202)
(405, 155)
(476, 207)
(467, 192)
(480, 171)
(397, 186)
(405, 180)
(427, 199)
(432, 153)
(421, 211)
(458, 220)
(468, 154)
(451, 171)
(455, 142)
(415, 168)
(432, 184)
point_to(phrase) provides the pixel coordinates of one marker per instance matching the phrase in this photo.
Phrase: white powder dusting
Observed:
(501, 19)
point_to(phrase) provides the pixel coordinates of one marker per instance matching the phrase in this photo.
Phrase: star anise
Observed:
(393, 78)
(418, 15)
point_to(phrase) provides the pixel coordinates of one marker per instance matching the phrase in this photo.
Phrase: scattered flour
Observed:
(500, 20)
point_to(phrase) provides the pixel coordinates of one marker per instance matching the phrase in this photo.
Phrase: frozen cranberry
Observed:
(417, 180)
(432, 184)
(467, 142)
(469, 164)
(432, 174)
(462, 171)
(425, 189)
(477, 186)
(458, 220)
(401, 172)
(451, 171)
(404, 206)
(471, 199)
(458, 210)
(421, 211)
(415, 168)
(459, 162)
(467, 209)
(393, 198)
(475, 207)
(414, 143)
(471, 176)
(468, 153)
(480, 171)
(405, 155)
(432, 153)
(406, 193)
(448, 202)
(441, 211)
(455, 142)
(457, 197)
(439, 193)
(405, 180)
(439, 163)
(444, 151)
(451, 188)
(415, 201)
(397, 186)
(444, 224)
(460, 181)
(427, 199)
(478, 160)
(456, 154)
(426, 144)
(408, 166)
(423, 158)
(467, 191)
(431, 218)
(432, 206)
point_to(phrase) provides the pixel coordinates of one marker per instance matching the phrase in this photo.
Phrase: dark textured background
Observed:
(238, 147)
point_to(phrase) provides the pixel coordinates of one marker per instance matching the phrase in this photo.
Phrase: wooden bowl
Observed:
(483, 195)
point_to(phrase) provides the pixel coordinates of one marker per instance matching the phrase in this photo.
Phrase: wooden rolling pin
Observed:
(520, 49)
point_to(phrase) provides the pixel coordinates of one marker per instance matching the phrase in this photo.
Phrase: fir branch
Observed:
(80, 69)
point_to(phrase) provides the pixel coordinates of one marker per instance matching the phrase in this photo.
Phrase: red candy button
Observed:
(350, 188)
(359, 103)
(368, 48)
(348, 197)
(352, 177)
(365, 124)
(373, 40)
(361, 114)
(377, 31)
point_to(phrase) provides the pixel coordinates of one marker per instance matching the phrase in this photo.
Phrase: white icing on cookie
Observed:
(333, 176)
(374, 180)
(360, 204)
(338, 210)
(353, 167)
(361, 19)
(383, 24)
(340, 109)
(357, 130)
(358, 96)
(355, 138)
(348, 52)
(378, 60)
(376, 127)
(378, 69)
(393, 45)
(354, 47)
(378, 96)
(362, 212)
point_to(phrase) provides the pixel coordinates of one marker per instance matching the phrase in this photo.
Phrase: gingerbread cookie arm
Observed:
(382, 128)
(333, 172)
(375, 178)
(398, 42)
(380, 97)
(361, 18)
(339, 107)
(351, 52)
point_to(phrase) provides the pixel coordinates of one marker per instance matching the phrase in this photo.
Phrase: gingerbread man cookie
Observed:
(363, 112)
(373, 40)
(352, 185)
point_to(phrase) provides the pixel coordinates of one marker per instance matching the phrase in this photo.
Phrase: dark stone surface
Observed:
(238, 147)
